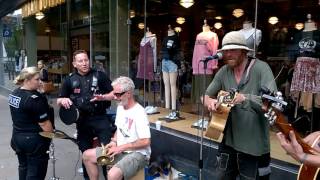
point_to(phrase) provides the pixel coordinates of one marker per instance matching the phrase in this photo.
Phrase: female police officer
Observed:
(30, 115)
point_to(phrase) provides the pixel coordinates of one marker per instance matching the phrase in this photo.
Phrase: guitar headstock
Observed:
(274, 103)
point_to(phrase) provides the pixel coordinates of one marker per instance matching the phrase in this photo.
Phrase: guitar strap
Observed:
(245, 75)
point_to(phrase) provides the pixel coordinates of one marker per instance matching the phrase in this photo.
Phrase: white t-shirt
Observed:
(133, 124)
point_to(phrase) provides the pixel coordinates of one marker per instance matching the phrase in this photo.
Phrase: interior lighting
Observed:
(141, 26)
(237, 13)
(273, 20)
(218, 17)
(39, 15)
(186, 3)
(132, 14)
(177, 29)
(181, 20)
(47, 29)
(299, 26)
(217, 25)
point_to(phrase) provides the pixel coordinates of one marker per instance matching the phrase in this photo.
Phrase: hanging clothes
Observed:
(306, 75)
(147, 61)
(170, 49)
(206, 45)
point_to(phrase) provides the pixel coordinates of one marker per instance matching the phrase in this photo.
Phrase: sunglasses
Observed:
(119, 94)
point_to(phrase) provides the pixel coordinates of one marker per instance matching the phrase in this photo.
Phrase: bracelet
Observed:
(303, 159)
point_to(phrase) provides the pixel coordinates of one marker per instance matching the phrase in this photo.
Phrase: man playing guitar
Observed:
(245, 147)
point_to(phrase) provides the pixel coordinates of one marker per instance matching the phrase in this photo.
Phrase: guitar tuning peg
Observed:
(278, 94)
(274, 118)
(271, 122)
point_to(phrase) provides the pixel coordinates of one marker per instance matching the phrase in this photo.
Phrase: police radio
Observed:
(94, 84)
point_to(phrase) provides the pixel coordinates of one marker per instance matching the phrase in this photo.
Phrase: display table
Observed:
(182, 143)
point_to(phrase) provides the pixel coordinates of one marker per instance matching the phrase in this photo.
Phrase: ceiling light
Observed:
(299, 26)
(180, 20)
(237, 13)
(39, 15)
(47, 29)
(273, 20)
(217, 25)
(141, 26)
(177, 29)
(132, 14)
(186, 3)
(218, 17)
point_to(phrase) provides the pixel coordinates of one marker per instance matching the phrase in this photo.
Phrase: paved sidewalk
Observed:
(66, 152)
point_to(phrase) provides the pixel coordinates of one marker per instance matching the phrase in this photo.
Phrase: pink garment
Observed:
(306, 75)
(206, 45)
(145, 62)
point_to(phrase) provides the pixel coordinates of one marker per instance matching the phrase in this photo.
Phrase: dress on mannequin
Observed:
(147, 61)
(305, 85)
(170, 52)
(252, 35)
(306, 75)
(206, 45)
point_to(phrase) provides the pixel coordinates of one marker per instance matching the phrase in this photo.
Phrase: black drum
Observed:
(69, 116)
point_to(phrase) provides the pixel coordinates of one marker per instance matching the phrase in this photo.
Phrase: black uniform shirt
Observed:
(28, 108)
(79, 88)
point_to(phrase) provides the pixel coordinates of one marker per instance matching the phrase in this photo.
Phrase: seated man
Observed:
(130, 145)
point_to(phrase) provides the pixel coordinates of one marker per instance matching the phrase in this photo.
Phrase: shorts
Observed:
(130, 163)
(169, 66)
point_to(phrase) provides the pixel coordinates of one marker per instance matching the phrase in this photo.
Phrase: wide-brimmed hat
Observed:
(234, 40)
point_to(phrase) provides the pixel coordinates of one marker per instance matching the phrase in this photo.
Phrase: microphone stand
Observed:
(205, 63)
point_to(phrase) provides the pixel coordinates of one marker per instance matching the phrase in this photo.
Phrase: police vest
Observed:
(83, 89)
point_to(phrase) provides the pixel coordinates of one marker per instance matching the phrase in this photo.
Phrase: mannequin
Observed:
(206, 45)
(170, 63)
(309, 25)
(147, 63)
(305, 85)
(253, 36)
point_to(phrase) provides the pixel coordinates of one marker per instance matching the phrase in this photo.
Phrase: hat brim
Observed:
(233, 46)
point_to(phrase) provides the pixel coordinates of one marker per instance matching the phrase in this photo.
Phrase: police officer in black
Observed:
(79, 89)
(30, 114)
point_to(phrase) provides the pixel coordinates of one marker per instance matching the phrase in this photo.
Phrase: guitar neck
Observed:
(285, 128)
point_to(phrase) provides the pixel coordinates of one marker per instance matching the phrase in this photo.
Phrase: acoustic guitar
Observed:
(274, 105)
(219, 119)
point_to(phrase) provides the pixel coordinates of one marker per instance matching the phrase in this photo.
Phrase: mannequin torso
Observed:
(310, 26)
(248, 31)
(205, 28)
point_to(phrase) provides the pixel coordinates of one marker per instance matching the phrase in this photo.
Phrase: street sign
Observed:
(6, 32)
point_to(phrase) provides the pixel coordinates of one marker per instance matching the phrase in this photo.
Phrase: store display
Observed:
(170, 51)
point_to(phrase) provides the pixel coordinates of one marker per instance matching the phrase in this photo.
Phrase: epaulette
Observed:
(34, 96)
(70, 74)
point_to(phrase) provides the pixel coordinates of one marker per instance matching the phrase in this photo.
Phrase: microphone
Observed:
(217, 56)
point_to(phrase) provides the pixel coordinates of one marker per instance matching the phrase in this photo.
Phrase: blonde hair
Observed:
(26, 74)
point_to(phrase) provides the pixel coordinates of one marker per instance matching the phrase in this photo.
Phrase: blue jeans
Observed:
(231, 163)
(169, 66)
(31, 150)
